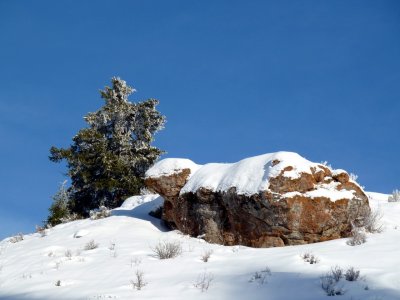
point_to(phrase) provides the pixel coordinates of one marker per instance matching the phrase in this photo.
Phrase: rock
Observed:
(341, 176)
(270, 200)
(169, 187)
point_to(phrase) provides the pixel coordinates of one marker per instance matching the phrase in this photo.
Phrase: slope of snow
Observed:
(30, 269)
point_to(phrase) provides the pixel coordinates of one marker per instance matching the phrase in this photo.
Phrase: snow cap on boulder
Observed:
(272, 171)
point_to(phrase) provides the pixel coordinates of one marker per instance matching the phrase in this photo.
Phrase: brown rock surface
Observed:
(169, 187)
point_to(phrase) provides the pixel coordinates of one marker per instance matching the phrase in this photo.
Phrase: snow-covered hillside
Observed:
(56, 266)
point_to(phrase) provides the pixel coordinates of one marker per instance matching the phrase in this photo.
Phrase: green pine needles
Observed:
(108, 159)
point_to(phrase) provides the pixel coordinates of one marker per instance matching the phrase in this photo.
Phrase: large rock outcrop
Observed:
(265, 201)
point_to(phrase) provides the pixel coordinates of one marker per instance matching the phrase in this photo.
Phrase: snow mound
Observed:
(135, 201)
(250, 175)
(171, 166)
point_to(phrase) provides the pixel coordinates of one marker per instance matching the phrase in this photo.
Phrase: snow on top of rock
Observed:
(338, 171)
(249, 175)
(169, 166)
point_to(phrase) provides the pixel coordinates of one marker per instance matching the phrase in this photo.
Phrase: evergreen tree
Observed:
(59, 211)
(108, 159)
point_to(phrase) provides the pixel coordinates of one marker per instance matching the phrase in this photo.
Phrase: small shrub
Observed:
(368, 219)
(236, 249)
(17, 238)
(353, 177)
(100, 213)
(372, 221)
(190, 248)
(267, 271)
(57, 264)
(112, 246)
(71, 217)
(165, 250)
(352, 274)
(59, 211)
(91, 245)
(395, 196)
(26, 275)
(329, 285)
(68, 254)
(113, 250)
(203, 281)
(139, 282)
(257, 277)
(41, 230)
(310, 258)
(261, 276)
(336, 273)
(326, 164)
(206, 255)
(136, 261)
(357, 237)
(145, 191)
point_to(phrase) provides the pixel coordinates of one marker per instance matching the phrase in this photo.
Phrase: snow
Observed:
(248, 176)
(80, 233)
(135, 201)
(338, 171)
(333, 195)
(171, 166)
(329, 191)
(30, 269)
(324, 190)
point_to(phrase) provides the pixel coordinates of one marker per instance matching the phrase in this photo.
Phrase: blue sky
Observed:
(234, 78)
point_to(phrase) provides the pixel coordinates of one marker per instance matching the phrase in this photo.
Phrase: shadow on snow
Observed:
(141, 212)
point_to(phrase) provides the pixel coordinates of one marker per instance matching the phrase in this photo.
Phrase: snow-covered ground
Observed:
(56, 266)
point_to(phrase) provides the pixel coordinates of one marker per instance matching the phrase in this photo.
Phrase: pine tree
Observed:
(108, 159)
(59, 211)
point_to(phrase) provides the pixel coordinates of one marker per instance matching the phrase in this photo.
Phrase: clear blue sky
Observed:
(234, 78)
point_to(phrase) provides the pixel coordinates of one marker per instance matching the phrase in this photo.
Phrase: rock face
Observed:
(270, 200)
